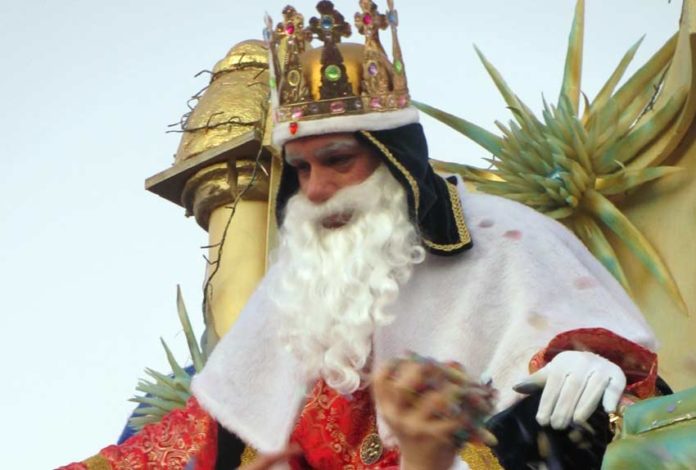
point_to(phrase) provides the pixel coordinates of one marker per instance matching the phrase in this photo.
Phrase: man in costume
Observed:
(381, 264)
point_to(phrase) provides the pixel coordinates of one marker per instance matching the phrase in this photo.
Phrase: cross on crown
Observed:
(332, 26)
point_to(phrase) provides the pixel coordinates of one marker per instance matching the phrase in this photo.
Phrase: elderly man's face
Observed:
(327, 163)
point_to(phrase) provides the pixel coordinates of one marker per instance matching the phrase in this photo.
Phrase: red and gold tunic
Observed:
(336, 431)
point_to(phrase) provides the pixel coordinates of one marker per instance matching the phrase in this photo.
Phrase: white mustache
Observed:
(347, 203)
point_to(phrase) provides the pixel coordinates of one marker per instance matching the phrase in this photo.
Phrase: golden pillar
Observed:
(221, 176)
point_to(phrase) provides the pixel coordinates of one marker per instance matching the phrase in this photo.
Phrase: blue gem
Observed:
(393, 17)
(267, 34)
(327, 22)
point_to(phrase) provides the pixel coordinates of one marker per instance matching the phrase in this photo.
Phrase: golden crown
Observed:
(338, 80)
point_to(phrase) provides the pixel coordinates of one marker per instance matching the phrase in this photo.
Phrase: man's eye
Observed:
(340, 159)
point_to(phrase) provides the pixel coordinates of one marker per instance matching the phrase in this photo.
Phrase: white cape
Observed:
(526, 279)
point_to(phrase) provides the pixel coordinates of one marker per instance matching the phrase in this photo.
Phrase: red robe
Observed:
(331, 428)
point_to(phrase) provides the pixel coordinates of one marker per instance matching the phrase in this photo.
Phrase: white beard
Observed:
(334, 283)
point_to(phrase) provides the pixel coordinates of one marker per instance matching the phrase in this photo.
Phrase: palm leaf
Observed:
(570, 87)
(624, 180)
(605, 93)
(503, 87)
(599, 206)
(167, 392)
(162, 404)
(481, 136)
(563, 165)
(595, 240)
(465, 171)
(626, 149)
(646, 74)
(196, 354)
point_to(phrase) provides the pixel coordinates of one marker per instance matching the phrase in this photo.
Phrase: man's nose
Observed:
(319, 187)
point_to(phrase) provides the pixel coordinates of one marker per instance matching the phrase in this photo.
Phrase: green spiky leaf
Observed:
(167, 392)
(605, 93)
(625, 180)
(194, 349)
(570, 86)
(481, 136)
(595, 240)
(603, 209)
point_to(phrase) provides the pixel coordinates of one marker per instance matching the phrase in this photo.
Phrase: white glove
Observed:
(573, 383)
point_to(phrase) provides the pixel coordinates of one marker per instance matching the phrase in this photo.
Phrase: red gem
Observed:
(367, 19)
(290, 28)
(293, 128)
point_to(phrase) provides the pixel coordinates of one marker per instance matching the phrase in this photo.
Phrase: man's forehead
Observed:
(319, 146)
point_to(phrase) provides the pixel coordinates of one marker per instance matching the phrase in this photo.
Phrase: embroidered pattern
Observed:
(183, 438)
(332, 428)
(480, 457)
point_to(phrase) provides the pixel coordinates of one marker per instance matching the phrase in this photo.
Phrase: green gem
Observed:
(398, 66)
(332, 73)
(272, 82)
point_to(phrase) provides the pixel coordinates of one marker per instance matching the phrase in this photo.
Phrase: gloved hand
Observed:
(573, 383)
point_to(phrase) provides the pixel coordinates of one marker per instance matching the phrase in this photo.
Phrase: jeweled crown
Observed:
(338, 79)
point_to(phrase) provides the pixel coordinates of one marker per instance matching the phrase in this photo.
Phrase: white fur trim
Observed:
(373, 121)
(492, 308)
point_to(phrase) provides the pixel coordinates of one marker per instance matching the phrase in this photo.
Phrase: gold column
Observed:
(231, 200)
(221, 175)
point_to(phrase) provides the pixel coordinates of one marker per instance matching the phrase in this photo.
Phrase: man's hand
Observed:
(432, 408)
(574, 382)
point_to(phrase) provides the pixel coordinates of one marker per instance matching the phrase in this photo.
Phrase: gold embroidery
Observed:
(480, 457)
(385, 151)
(341, 430)
(97, 462)
(248, 456)
(371, 449)
(464, 236)
(462, 230)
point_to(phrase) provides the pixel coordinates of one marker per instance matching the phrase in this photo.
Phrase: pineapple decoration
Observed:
(570, 165)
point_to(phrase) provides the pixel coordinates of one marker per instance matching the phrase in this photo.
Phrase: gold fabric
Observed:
(97, 462)
(480, 457)
(248, 456)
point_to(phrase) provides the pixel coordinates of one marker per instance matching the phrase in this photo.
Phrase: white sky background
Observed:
(89, 260)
